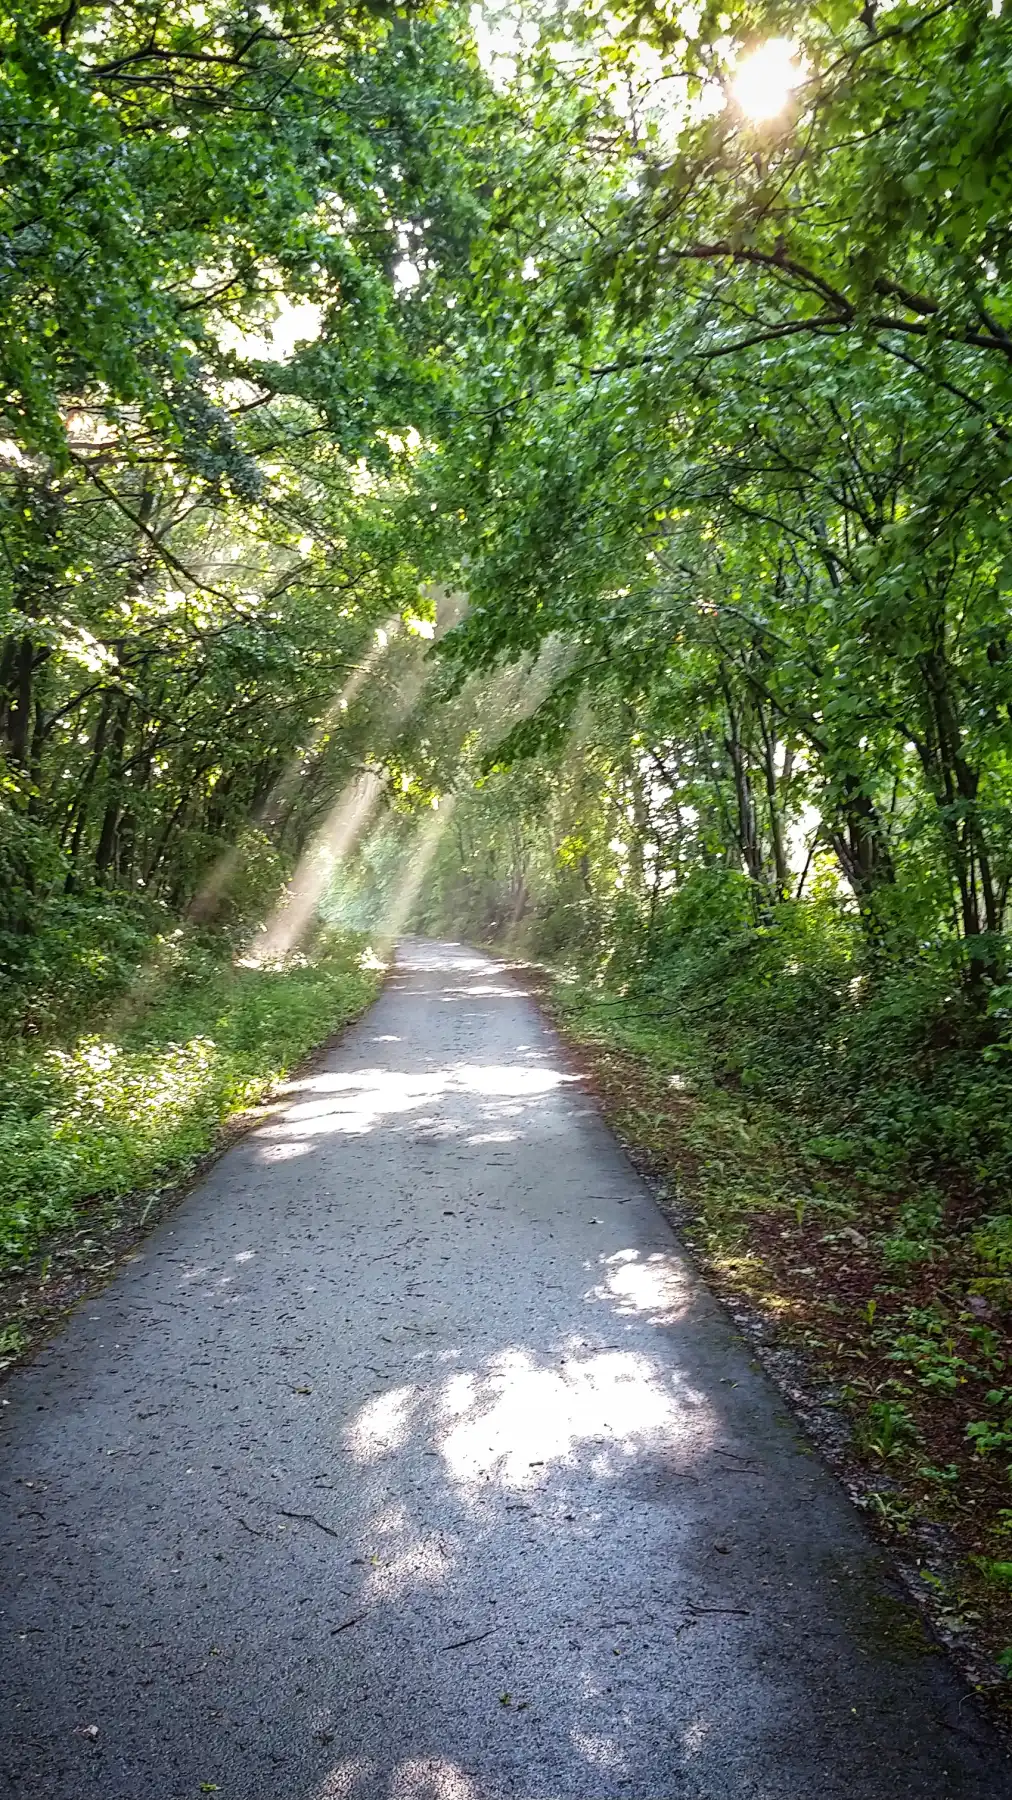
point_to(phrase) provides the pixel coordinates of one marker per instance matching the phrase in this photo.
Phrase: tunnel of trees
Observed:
(541, 475)
(307, 308)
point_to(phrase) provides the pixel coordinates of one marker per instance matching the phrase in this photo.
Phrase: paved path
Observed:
(410, 1461)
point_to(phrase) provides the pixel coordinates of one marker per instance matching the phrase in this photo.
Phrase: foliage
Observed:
(750, 466)
(686, 436)
(731, 480)
(213, 332)
(905, 1360)
(169, 174)
(143, 1093)
(883, 1070)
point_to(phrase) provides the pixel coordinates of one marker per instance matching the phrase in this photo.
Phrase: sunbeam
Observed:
(343, 829)
(287, 784)
(344, 826)
(417, 865)
(220, 876)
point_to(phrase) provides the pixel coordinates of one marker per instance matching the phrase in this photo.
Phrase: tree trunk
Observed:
(780, 865)
(955, 785)
(748, 826)
(106, 851)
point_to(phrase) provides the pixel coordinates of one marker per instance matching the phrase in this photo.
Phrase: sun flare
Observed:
(766, 78)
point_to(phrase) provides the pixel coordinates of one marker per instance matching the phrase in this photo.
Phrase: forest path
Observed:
(411, 1460)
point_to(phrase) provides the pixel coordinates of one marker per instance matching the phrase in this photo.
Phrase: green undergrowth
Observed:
(733, 1155)
(135, 1100)
(891, 1074)
(837, 1148)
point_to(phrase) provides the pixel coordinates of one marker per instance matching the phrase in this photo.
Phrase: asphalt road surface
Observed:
(410, 1460)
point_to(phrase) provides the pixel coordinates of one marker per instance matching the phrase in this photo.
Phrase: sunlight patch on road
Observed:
(417, 1778)
(507, 1078)
(359, 1101)
(524, 1417)
(657, 1285)
(519, 1416)
(383, 1424)
(276, 1153)
(343, 1779)
(487, 991)
(419, 957)
(431, 1778)
(695, 1735)
(599, 1750)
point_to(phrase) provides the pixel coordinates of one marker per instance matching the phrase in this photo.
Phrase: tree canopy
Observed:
(679, 338)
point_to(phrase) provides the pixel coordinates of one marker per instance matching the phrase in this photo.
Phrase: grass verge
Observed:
(98, 1135)
(886, 1312)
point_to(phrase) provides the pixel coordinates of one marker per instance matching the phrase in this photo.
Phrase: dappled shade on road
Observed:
(411, 1462)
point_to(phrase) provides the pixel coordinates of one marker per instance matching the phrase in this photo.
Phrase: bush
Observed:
(889, 1071)
(78, 953)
